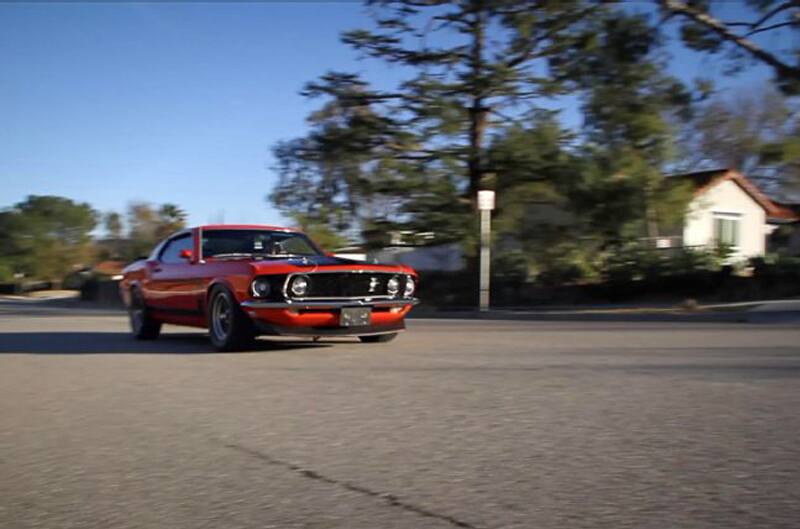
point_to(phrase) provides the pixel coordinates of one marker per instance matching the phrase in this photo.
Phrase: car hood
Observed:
(320, 262)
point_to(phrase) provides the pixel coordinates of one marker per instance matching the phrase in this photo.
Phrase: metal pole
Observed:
(486, 229)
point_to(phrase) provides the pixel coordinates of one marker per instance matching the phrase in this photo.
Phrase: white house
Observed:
(442, 257)
(727, 208)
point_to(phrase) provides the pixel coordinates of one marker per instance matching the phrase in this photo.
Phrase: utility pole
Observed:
(485, 205)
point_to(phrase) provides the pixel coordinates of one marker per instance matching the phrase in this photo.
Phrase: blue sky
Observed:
(110, 103)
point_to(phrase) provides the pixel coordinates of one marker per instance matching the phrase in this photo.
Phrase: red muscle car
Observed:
(240, 281)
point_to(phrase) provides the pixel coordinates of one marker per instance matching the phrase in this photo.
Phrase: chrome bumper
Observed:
(332, 304)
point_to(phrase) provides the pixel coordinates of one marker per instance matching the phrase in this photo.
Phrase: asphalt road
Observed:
(475, 424)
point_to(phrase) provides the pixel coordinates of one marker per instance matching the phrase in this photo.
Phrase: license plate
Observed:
(355, 316)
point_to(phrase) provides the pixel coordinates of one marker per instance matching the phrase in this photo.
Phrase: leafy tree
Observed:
(142, 225)
(148, 225)
(171, 218)
(783, 156)
(320, 233)
(754, 132)
(769, 22)
(113, 224)
(535, 219)
(114, 245)
(627, 99)
(572, 198)
(46, 237)
(416, 155)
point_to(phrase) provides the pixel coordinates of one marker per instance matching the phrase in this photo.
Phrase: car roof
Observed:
(209, 227)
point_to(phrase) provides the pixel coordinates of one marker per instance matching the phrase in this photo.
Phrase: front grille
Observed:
(350, 285)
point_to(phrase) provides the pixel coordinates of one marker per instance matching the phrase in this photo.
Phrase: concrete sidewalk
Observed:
(766, 311)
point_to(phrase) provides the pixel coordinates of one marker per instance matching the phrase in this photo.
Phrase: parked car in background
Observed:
(241, 281)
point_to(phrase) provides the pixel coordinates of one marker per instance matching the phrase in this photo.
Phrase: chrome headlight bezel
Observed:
(257, 287)
(393, 285)
(299, 286)
(410, 287)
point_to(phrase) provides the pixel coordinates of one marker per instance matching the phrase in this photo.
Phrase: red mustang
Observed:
(242, 281)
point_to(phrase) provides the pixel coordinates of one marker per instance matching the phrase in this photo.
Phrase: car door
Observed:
(172, 281)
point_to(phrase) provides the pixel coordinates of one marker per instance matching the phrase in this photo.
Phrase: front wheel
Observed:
(143, 326)
(229, 327)
(378, 338)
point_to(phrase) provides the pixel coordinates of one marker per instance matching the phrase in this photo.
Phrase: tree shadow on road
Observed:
(122, 343)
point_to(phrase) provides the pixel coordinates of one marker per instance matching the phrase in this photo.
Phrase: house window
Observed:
(726, 229)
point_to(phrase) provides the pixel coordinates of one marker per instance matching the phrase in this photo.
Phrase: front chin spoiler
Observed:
(271, 329)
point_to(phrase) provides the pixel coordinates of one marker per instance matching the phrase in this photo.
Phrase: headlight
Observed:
(393, 286)
(299, 286)
(410, 287)
(261, 288)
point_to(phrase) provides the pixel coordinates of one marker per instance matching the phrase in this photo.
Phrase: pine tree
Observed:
(416, 155)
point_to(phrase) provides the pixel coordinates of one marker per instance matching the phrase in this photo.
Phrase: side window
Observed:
(171, 254)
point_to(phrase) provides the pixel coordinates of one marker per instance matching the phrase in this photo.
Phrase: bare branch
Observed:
(782, 7)
(506, 117)
(774, 26)
(705, 19)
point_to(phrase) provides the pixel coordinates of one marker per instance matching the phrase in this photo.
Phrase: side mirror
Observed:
(186, 254)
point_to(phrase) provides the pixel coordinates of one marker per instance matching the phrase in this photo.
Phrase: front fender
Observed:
(225, 283)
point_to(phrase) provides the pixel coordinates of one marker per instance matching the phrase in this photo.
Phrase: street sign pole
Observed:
(485, 205)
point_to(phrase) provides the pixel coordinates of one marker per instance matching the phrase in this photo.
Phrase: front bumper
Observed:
(321, 318)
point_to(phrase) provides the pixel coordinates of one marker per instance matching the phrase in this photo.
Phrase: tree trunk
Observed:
(477, 131)
(651, 215)
(652, 224)
(477, 111)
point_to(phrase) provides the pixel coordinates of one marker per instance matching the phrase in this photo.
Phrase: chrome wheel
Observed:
(136, 312)
(229, 328)
(221, 317)
(137, 318)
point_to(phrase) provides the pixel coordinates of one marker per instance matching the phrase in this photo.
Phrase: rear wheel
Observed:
(143, 326)
(378, 338)
(229, 327)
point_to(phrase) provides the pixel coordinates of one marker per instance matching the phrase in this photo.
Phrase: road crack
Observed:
(390, 499)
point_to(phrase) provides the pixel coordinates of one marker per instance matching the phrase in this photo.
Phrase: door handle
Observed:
(157, 268)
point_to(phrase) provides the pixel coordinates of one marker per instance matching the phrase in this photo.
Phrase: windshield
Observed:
(259, 243)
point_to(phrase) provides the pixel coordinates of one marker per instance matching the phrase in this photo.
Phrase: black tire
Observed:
(143, 326)
(378, 338)
(229, 328)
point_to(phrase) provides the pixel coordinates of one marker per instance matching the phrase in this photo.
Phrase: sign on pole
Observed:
(485, 205)
(486, 200)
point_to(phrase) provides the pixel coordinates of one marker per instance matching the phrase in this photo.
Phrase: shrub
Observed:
(6, 272)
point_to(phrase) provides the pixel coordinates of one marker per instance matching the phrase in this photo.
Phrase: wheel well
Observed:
(211, 288)
(218, 286)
